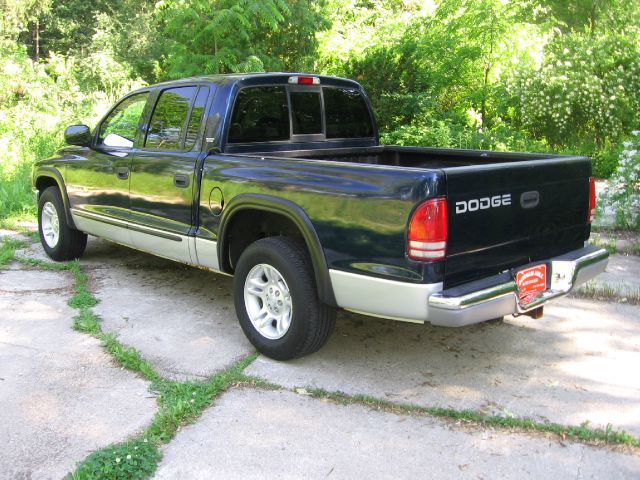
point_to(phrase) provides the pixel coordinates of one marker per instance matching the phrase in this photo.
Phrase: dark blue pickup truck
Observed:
(279, 180)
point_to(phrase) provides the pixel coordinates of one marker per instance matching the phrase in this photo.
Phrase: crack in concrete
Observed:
(20, 346)
(582, 451)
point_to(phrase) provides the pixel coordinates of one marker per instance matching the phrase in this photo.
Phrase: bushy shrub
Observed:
(37, 101)
(605, 161)
(623, 192)
(586, 89)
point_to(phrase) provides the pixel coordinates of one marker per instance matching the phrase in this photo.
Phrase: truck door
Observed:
(163, 173)
(98, 183)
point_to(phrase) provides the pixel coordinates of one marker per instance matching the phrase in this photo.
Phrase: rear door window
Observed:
(195, 118)
(260, 114)
(168, 125)
(346, 113)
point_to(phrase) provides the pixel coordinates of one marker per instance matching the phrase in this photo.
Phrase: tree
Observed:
(217, 37)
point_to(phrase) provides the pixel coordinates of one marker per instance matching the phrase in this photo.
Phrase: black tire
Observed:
(311, 322)
(69, 243)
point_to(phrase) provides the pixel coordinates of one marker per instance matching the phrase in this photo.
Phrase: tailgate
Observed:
(510, 214)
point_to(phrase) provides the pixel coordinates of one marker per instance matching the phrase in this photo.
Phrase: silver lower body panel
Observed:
(474, 302)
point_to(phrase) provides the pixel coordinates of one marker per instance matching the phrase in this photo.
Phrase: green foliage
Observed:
(135, 459)
(559, 75)
(8, 247)
(586, 88)
(217, 38)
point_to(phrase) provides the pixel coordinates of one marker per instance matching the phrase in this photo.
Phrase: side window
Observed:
(196, 118)
(169, 120)
(260, 114)
(346, 112)
(120, 127)
(307, 116)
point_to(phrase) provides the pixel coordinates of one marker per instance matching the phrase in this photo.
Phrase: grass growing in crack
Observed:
(603, 242)
(583, 432)
(634, 248)
(135, 459)
(179, 403)
(605, 291)
(19, 223)
(8, 247)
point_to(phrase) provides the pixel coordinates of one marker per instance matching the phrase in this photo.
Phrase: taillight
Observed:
(427, 236)
(592, 199)
(304, 80)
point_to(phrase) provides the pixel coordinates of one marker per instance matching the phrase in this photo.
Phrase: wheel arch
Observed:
(45, 177)
(258, 203)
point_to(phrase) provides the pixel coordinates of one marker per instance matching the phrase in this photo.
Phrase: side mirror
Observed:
(78, 135)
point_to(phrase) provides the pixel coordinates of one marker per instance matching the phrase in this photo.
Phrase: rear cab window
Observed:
(299, 113)
(347, 113)
(260, 114)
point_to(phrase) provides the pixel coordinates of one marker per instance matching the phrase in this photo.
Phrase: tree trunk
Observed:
(37, 40)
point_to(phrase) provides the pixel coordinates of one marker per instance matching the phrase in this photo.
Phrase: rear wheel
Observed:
(59, 240)
(277, 302)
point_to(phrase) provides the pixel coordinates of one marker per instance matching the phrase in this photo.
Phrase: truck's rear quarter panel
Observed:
(360, 213)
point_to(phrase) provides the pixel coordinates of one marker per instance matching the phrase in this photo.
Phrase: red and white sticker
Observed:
(531, 282)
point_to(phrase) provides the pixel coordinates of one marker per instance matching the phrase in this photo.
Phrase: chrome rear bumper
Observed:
(498, 295)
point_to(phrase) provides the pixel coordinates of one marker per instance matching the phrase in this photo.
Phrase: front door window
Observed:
(119, 129)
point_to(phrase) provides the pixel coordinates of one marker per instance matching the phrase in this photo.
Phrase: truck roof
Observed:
(260, 79)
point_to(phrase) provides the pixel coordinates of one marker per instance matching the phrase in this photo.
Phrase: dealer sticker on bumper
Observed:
(531, 282)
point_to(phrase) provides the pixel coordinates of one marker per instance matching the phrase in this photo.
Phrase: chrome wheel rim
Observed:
(50, 224)
(268, 301)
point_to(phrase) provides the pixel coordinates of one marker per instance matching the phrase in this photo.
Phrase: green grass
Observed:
(8, 247)
(582, 432)
(633, 249)
(605, 291)
(15, 192)
(603, 242)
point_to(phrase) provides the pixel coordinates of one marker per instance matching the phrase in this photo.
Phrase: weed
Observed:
(606, 291)
(633, 249)
(8, 247)
(131, 460)
(582, 432)
(603, 242)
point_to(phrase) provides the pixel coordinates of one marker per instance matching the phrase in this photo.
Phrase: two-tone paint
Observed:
(350, 200)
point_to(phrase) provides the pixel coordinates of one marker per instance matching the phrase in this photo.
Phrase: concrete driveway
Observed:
(576, 365)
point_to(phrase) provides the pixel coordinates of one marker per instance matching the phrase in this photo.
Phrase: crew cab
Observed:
(279, 180)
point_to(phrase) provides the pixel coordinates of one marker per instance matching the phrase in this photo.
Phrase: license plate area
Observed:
(531, 282)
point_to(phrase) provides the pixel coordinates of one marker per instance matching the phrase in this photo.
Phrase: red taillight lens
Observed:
(592, 199)
(427, 237)
(304, 80)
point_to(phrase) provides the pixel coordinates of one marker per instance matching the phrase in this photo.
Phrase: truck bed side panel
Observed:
(360, 213)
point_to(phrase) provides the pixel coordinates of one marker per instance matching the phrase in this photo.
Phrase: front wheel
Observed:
(59, 240)
(277, 302)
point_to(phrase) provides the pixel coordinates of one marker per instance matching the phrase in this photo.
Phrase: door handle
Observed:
(530, 199)
(122, 172)
(181, 181)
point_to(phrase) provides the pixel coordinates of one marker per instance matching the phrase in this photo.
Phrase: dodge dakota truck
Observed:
(279, 180)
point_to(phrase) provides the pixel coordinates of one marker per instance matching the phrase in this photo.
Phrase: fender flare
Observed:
(55, 174)
(298, 216)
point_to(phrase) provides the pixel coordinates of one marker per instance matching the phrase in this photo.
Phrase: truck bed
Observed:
(545, 214)
(414, 157)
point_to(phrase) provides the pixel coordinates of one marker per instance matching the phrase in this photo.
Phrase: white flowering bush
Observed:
(585, 91)
(623, 193)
